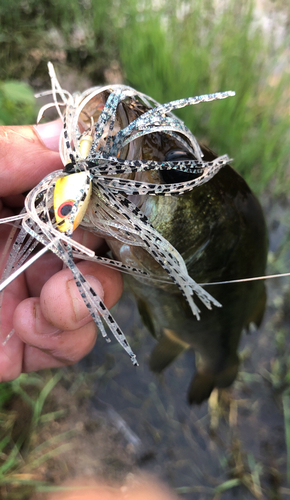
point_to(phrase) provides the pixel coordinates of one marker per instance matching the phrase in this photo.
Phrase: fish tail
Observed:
(200, 388)
(204, 382)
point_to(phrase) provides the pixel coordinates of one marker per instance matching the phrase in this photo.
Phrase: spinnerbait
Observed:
(98, 144)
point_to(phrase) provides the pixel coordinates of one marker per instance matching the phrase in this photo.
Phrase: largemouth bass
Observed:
(220, 231)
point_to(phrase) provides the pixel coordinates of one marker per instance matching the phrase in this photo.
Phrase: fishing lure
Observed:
(99, 147)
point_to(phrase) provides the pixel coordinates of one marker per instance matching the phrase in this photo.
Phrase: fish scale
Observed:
(178, 274)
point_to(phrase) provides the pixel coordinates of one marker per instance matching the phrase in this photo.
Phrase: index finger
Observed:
(25, 157)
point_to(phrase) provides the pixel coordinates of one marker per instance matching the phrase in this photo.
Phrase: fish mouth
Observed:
(127, 111)
(146, 140)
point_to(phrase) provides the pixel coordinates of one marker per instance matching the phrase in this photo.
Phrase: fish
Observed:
(220, 231)
(120, 149)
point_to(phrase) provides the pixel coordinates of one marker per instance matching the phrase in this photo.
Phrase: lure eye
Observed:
(65, 209)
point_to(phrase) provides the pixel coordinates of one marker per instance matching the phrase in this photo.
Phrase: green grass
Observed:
(17, 103)
(22, 417)
(208, 51)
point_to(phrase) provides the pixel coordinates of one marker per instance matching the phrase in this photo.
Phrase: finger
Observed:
(26, 157)
(41, 271)
(61, 302)
(59, 323)
(49, 263)
(11, 356)
(46, 346)
(34, 360)
(58, 349)
(11, 353)
(143, 488)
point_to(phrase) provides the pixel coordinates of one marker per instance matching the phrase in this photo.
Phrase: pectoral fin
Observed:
(165, 351)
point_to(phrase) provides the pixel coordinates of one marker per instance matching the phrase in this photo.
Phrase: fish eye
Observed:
(178, 155)
(173, 176)
(65, 209)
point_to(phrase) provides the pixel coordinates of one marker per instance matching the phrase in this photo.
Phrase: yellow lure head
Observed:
(67, 190)
(85, 145)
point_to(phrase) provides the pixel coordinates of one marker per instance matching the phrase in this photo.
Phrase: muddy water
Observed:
(239, 436)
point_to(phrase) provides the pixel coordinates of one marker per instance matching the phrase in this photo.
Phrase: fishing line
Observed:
(242, 280)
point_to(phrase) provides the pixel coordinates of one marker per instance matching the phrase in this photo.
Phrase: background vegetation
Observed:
(167, 49)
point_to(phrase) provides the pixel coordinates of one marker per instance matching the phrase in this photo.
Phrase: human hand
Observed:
(52, 325)
(135, 488)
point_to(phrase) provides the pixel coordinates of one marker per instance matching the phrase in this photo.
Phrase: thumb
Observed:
(27, 153)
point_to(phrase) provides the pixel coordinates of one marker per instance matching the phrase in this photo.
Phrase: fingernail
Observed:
(42, 326)
(78, 302)
(49, 133)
